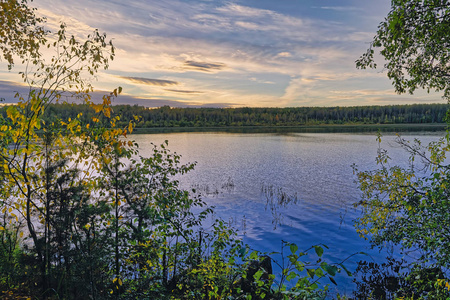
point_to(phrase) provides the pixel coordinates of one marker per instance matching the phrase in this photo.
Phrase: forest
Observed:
(291, 116)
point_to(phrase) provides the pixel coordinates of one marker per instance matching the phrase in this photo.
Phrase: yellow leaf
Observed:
(107, 112)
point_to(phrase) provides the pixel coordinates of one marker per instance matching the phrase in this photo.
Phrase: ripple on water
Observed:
(316, 167)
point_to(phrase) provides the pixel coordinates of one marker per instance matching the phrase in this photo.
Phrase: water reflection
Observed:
(395, 128)
(276, 199)
(310, 185)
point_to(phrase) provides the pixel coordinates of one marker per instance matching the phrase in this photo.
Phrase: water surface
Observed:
(316, 167)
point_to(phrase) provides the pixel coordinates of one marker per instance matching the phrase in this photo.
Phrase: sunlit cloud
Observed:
(245, 11)
(261, 81)
(248, 25)
(75, 27)
(284, 54)
(342, 8)
(184, 91)
(149, 81)
(257, 53)
(6, 85)
(203, 66)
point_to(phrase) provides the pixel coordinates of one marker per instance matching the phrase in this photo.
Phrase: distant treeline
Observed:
(247, 116)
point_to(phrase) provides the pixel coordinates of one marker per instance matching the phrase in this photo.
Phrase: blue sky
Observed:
(233, 53)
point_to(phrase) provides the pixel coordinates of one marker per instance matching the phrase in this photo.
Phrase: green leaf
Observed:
(332, 280)
(291, 276)
(319, 250)
(258, 275)
(299, 266)
(311, 272)
(293, 258)
(319, 272)
(242, 251)
(293, 248)
(346, 270)
(254, 255)
(330, 269)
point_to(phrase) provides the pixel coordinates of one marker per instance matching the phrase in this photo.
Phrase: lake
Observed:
(234, 170)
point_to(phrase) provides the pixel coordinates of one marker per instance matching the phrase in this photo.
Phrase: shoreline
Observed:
(324, 128)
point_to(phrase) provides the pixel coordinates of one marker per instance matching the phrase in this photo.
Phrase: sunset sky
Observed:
(232, 53)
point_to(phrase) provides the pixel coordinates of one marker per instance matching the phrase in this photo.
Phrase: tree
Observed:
(22, 33)
(46, 183)
(414, 40)
(409, 206)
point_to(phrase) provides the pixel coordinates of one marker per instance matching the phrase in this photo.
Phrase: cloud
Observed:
(203, 66)
(277, 25)
(248, 25)
(341, 8)
(11, 86)
(284, 54)
(149, 81)
(75, 27)
(403, 100)
(254, 79)
(8, 90)
(184, 91)
(298, 88)
(158, 102)
(167, 30)
(245, 11)
(213, 51)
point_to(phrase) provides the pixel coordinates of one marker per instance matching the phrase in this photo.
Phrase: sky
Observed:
(231, 53)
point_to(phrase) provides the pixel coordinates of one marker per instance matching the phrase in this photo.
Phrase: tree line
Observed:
(166, 116)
